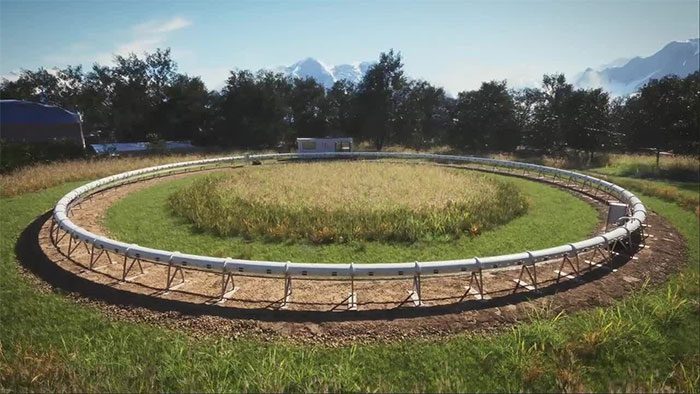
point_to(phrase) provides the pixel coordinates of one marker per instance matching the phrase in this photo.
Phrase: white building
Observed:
(318, 145)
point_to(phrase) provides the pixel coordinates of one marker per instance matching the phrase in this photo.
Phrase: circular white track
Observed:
(623, 233)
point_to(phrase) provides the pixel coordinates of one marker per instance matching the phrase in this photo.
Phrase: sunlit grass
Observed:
(45, 175)
(647, 343)
(676, 167)
(348, 201)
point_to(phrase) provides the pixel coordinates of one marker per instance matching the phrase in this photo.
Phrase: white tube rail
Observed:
(622, 233)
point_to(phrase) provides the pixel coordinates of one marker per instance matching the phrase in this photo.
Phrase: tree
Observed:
(664, 115)
(253, 110)
(40, 86)
(422, 115)
(184, 113)
(341, 113)
(307, 102)
(378, 95)
(588, 112)
(485, 119)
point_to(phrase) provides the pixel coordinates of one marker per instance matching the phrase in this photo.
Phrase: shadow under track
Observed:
(33, 258)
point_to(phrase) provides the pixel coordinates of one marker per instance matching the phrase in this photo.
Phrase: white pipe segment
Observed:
(633, 223)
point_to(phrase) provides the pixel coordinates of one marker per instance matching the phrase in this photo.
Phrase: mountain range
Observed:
(624, 76)
(325, 74)
(619, 77)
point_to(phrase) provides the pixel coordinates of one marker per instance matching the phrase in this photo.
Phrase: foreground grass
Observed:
(648, 342)
(340, 202)
(144, 218)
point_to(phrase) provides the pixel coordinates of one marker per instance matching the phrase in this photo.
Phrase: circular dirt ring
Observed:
(395, 299)
(135, 301)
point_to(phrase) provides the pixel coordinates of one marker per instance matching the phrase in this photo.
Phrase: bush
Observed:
(16, 155)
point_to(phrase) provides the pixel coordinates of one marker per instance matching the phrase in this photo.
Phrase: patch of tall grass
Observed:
(345, 201)
(687, 195)
(675, 167)
(44, 175)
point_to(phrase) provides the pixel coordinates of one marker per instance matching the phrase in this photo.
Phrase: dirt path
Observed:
(252, 309)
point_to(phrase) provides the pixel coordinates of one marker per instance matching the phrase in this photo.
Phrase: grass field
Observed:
(647, 342)
(675, 168)
(144, 218)
(340, 202)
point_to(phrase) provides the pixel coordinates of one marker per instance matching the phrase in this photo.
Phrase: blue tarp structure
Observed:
(29, 122)
(133, 147)
(27, 112)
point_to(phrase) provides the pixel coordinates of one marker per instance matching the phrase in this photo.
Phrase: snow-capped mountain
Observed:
(325, 74)
(621, 78)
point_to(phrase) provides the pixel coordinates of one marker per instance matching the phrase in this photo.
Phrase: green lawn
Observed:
(647, 342)
(144, 218)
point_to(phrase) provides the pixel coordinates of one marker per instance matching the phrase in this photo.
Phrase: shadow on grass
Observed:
(33, 258)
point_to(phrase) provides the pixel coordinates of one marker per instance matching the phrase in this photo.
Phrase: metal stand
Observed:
(531, 271)
(415, 294)
(287, 292)
(126, 270)
(352, 298)
(576, 268)
(93, 258)
(169, 280)
(476, 279)
(226, 279)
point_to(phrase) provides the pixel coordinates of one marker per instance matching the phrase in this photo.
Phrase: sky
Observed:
(453, 44)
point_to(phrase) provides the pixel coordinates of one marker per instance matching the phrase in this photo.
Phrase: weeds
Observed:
(340, 202)
(45, 175)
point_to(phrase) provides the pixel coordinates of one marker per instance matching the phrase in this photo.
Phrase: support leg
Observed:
(415, 294)
(352, 299)
(531, 272)
(475, 287)
(172, 273)
(127, 268)
(226, 279)
(574, 268)
(287, 292)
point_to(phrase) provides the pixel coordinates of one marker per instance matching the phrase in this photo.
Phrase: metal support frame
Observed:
(126, 270)
(415, 294)
(476, 279)
(575, 267)
(531, 271)
(350, 301)
(226, 279)
(59, 239)
(605, 254)
(352, 298)
(171, 276)
(287, 292)
(94, 259)
(72, 247)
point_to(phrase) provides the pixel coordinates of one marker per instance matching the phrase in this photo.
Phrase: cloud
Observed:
(162, 27)
(213, 77)
(147, 37)
(10, 76)
(143, 37)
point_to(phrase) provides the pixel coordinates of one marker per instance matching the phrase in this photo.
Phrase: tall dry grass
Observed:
(41, 176)
(343, 201)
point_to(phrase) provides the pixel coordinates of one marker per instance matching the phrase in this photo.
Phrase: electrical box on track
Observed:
(616, 212)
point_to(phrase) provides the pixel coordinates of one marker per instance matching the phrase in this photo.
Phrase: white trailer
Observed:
(318, 145)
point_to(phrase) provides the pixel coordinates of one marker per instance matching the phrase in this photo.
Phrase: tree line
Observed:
(145, 98)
